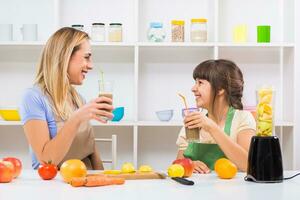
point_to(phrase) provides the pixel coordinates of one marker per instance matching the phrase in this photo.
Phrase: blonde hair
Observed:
(52, 73)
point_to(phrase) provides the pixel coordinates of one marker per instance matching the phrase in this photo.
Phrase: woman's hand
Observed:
(200, 167)
(199, 120)
(99, 109)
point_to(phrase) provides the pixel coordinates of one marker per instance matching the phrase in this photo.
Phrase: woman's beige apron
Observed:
(83, 144)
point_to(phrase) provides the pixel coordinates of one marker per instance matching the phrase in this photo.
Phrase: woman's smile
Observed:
(83, 73)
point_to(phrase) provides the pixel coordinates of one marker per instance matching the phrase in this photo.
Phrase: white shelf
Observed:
(10, 123)
(113, 44)
(284, 124)
(42, 43)
(22, 43)
(109, 123)
(176, 44)
(212, 44)
(254, 44)
(160, 123)
(140, 123)
(94, 123)
(157, 44)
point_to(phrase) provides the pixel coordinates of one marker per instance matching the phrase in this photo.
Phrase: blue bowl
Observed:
(118, 114)
(164, 115)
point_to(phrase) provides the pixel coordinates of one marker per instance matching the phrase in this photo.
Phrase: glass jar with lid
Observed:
(177, 31)
(115, 32)
(199, 30)
(98, 32)
(156, 32)
(78, 27)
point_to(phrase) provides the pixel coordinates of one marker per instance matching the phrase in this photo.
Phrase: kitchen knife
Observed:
(183, 181)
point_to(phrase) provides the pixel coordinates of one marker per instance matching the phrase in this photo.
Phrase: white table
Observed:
(30, 186)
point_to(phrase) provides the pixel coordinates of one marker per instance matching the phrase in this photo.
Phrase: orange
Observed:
(72, 168)
(225, 168)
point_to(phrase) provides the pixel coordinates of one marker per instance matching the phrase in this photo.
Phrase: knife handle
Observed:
(183, 181)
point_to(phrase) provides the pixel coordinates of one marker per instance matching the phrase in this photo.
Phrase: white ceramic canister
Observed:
(6, 32)
(29, 32)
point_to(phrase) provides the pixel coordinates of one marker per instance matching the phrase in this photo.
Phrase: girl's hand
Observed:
(200, 167)
(98, 109)
(199, 120)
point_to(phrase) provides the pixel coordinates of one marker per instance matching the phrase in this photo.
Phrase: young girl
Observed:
(227, 129)
(55, 117)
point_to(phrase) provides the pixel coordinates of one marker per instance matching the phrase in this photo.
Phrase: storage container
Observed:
(78, 27)
(199, 30)
(115, 32)
(156, 32)
(177, 31)
(98, 32)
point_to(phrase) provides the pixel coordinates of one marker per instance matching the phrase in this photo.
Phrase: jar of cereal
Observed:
(177, 31)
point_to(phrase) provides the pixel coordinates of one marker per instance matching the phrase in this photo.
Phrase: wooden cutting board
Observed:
(137, 175)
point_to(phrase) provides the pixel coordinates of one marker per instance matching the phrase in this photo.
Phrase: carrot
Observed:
(94, 180)
(118, 181)
(78, 181)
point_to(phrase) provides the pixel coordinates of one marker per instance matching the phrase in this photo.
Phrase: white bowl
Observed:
(164, 115)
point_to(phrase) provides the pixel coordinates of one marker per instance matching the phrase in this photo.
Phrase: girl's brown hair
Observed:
(222, 74)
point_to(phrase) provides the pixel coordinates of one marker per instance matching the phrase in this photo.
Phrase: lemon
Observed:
(176, 170)
(112, 172)
(128, 168)
(145, 168)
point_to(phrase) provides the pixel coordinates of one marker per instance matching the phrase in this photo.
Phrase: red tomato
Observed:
(47, 171)
(6, 173)
(17, 164)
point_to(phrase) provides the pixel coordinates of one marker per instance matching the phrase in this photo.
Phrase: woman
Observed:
(227, 129)
(55, 118)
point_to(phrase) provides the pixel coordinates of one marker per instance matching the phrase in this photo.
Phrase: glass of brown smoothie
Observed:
(106, 89)
(192, 135)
